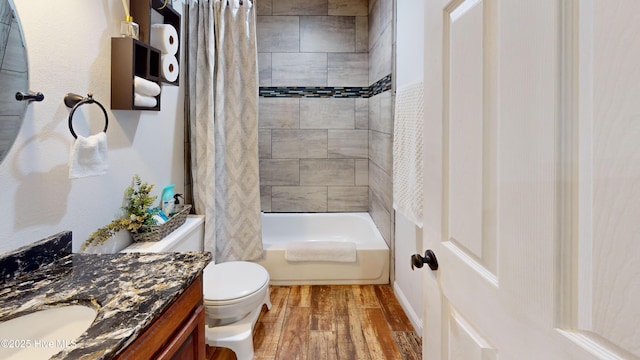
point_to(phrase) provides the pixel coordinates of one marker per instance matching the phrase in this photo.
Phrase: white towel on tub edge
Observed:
(333, 251)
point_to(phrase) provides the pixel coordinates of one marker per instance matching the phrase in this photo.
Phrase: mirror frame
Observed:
(14, 75)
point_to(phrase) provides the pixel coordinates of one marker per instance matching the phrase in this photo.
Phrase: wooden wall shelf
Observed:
(131, 57)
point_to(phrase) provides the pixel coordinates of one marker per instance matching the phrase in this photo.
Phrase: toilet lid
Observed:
(232, 280)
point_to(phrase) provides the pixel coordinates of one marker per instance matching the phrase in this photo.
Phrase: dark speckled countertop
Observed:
(129, 290)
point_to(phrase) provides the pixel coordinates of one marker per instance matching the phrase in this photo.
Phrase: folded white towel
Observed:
(144, 101)
(88, 156)
(407, 152)
(145, 87)
(335, 251)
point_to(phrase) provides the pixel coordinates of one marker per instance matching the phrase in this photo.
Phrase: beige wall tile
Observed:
(327, 172)
(264, 143)
(279, 172)
(380, 18)
(362, 34)
(299, 144)
(348, 198)
(278, 33)
(264, 7)
(327, 113)
(381, 217)
(380, 56)
(348, 69)
(381, 113)
(299, 199)
(327, 34)
(381, 150)
(387, 100)
(349, 7)
(278, 113)
(374, 112)
(301, 69)
(264, 69)
(348, 144)
(381, 184)
(362, 172)
(362, 113)
(300, 7)
(265, 198)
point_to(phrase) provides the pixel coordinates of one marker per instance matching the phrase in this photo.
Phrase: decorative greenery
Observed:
(136, 214)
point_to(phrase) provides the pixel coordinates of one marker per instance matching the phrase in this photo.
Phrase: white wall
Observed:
(408, 238)
(68, 44)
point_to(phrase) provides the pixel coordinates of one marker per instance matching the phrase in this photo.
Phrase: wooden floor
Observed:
(332, 322)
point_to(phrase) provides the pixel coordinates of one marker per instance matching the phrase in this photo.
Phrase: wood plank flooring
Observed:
(331, 322)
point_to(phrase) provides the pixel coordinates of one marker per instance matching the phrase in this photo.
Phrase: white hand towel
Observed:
(144, 101)
(88, 156)
(407, 152)
(145, 87)
(334, 251)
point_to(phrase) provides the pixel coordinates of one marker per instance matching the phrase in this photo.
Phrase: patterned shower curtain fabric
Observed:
(230, 126)
(201, 55)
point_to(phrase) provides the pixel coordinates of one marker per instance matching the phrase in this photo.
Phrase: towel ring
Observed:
(76, 101)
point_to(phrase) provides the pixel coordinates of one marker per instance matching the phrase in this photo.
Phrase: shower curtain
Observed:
(222, 99)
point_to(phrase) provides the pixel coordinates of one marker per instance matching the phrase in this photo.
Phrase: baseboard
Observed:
(416, 321)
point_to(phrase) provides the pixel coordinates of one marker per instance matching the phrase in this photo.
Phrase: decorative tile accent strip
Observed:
(314, 92)
(378, 87)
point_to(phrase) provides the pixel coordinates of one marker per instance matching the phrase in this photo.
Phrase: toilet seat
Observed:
(232, 282)
(232, 290)
(236, 300)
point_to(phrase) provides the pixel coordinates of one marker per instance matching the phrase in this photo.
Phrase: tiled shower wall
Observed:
(326, 154)
(313, 151)
(381, 44)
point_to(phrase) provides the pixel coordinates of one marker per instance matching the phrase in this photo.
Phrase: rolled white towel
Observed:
(334, 251)
(145, 87)
(144, 101)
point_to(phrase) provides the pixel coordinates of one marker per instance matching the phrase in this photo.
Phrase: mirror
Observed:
(14, 75)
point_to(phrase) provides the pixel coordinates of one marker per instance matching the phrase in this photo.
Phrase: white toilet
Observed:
(233, 292)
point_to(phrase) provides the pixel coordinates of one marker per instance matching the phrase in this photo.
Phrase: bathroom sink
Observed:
(44, 333)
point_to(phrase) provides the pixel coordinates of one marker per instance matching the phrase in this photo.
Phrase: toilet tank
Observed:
(188, 237)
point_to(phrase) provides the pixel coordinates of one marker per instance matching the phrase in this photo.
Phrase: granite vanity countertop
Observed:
(129, 291)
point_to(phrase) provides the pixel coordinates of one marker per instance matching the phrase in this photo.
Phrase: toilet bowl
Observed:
(233, 292)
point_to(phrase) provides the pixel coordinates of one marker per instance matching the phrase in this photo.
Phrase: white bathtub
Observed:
(372, 259)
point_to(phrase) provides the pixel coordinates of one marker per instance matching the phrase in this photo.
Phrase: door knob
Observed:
(429, 258)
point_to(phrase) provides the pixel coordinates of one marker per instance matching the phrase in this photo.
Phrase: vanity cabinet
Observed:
(177, 334)
(131, 57)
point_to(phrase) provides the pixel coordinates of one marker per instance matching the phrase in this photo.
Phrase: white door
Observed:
(532, 179)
